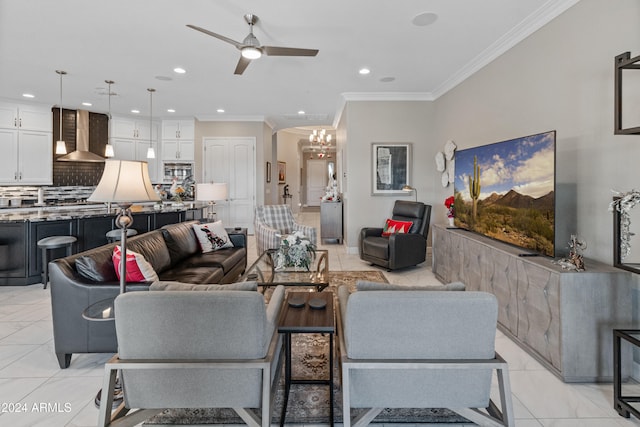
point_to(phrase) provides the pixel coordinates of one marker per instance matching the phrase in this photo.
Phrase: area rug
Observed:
(309, 404)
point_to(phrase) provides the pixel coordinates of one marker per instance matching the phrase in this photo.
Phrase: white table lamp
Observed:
(210, 192)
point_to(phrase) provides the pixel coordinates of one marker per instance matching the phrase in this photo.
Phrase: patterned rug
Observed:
(309, 404)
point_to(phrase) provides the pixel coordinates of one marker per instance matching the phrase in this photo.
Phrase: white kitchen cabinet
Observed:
(25, 117)
(129, 128)
(178, 129)
(26, 144)
(124, 148)
(27, 157)
(136, 149)
(178, 149)
(178, 140)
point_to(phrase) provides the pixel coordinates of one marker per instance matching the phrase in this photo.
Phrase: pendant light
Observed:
(151, 154)
(108, 149)
(61, 146)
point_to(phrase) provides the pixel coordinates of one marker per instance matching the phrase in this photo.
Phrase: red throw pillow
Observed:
(138, 269)
(396, 227)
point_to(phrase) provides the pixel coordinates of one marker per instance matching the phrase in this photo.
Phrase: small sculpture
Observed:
(575, 260)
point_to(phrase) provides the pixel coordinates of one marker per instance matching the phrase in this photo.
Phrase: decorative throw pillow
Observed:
(396, 227)
(138, 269)
(180, 286)
(212, 236)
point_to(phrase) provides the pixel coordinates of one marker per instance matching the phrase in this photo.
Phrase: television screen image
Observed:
(506, 191)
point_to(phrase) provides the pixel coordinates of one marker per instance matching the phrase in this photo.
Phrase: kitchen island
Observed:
(20, 230)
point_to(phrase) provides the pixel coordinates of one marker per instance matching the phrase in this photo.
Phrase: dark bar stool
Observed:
(53, 242)
(114, 235)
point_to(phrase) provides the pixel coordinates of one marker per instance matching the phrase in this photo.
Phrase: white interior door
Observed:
(232, 160)
(316, 181)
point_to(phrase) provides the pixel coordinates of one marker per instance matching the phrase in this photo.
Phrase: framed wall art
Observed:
(391, 168)
(268, 170)
(282, 172)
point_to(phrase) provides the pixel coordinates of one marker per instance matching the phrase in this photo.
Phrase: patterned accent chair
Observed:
(273, 221)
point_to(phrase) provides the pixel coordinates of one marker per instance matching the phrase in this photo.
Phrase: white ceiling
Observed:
(133, 42)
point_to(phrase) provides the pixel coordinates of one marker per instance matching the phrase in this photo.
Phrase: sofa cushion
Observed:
(223, 258)
(181, 240)
(392, 226)
(198, 275)
(212, 236)
(364, 285)
(152, 246)
(137, 267)
(97, 267)
(179, 286)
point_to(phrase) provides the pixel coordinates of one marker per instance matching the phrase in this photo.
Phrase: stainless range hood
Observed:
(82, 153)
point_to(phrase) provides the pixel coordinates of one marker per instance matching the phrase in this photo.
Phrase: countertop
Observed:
(54, 213)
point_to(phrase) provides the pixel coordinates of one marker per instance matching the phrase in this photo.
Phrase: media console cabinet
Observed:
(564, 319)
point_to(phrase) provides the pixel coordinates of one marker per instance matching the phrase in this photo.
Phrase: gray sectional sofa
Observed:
(85, 278)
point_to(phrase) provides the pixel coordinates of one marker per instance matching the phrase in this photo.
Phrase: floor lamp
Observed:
(124, 182)
(409, 188)
(208, 192)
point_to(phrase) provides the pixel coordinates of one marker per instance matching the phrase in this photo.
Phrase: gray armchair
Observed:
(273, 221)
(398, 250)
(421, 349)
(193, 349)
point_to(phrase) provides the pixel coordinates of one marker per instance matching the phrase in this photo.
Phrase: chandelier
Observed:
(321, 140)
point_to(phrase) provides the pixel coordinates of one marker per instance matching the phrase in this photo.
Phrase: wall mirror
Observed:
(626, 238)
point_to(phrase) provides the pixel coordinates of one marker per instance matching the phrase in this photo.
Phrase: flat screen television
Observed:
(506, 191)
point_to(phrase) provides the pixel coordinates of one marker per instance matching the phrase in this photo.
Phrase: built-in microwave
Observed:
(177, 170)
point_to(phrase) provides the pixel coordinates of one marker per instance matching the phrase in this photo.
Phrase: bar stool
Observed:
(53, 242)
(114, 235)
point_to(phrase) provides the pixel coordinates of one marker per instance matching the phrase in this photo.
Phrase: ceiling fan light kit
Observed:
(250, 47)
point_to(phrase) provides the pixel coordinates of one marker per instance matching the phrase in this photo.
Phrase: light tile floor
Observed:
(34, 391)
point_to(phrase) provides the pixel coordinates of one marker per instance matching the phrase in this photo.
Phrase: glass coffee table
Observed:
(264, 272)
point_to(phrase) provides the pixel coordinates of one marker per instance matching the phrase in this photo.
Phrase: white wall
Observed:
(561, 78)
(288, 152)
(363, 123)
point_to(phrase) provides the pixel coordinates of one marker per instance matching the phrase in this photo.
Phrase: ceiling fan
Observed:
(250, 47)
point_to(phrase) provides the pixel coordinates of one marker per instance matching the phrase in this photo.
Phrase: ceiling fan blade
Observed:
(243, 63)
(238, 45)
(288, 51)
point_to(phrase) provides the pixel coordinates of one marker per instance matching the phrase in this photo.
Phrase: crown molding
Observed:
(545, 14)
(387, 96)
(377, 96)
(225, 118)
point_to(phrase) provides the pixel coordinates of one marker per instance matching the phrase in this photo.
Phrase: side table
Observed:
(103, 311)
(621, 403)
(296, 319)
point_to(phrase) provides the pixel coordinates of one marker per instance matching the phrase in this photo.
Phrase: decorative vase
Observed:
(450, 219)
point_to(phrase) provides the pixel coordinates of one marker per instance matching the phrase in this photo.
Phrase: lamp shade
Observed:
(210, 192)
(124, 181)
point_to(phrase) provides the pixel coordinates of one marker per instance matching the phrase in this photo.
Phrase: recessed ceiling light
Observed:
(301, 112)
(179, 70)
(164, 78)
(387, 79)
(425, 18)
(135, 111)
(220, 110)
(364, 71)
(171, 110)
(28, 95)
(87, 104)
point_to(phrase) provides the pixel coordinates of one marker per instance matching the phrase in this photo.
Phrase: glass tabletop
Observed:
(264, 272)
(102, 310)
